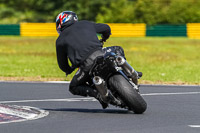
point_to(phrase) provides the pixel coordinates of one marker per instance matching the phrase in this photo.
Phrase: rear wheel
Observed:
(128, 94)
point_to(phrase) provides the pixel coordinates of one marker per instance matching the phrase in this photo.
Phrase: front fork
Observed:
(135, 86)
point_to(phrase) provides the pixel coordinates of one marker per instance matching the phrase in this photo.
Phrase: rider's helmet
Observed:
(65, 17)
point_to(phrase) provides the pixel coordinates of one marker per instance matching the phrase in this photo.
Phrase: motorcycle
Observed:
(112, 73)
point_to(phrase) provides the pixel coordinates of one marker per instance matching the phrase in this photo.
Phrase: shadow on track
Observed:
(112, 111)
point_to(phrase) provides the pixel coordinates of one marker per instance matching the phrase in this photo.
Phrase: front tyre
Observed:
(127, 94)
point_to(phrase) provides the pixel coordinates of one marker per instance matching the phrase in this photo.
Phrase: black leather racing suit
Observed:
(79, 44)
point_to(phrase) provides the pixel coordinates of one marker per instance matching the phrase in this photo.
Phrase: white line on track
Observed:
(194, 126)
(52, 100)
(55, 82)
(93, 99)
(67, 82)
(175, 93)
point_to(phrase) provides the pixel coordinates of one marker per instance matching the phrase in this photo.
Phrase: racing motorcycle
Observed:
(112, 73)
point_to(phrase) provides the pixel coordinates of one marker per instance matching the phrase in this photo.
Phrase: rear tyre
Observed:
(127, 94)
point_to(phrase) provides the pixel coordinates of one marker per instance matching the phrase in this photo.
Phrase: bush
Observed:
(110, 11)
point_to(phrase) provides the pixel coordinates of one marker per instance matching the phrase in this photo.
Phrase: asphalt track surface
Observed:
(171, 109)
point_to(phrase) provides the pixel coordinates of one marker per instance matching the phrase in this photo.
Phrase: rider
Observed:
(79, 44)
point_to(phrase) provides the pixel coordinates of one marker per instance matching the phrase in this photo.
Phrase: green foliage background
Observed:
(106, 11)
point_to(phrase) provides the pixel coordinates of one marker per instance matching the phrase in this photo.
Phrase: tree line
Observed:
(105, 11)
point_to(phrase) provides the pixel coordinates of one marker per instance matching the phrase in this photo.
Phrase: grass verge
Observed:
(162, 60)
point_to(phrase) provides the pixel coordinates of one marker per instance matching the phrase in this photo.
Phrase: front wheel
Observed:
(127, 94)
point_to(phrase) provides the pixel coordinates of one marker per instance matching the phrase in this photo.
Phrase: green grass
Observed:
(162, 60)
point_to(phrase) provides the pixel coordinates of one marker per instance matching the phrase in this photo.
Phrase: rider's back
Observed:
(79, 40)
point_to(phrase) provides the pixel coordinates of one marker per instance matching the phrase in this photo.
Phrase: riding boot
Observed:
(93, 93)
(85, 90)
(103, 104)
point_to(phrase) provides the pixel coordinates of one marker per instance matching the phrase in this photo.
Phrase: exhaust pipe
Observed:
(100, 85)
(104, 92)
(127, 68)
